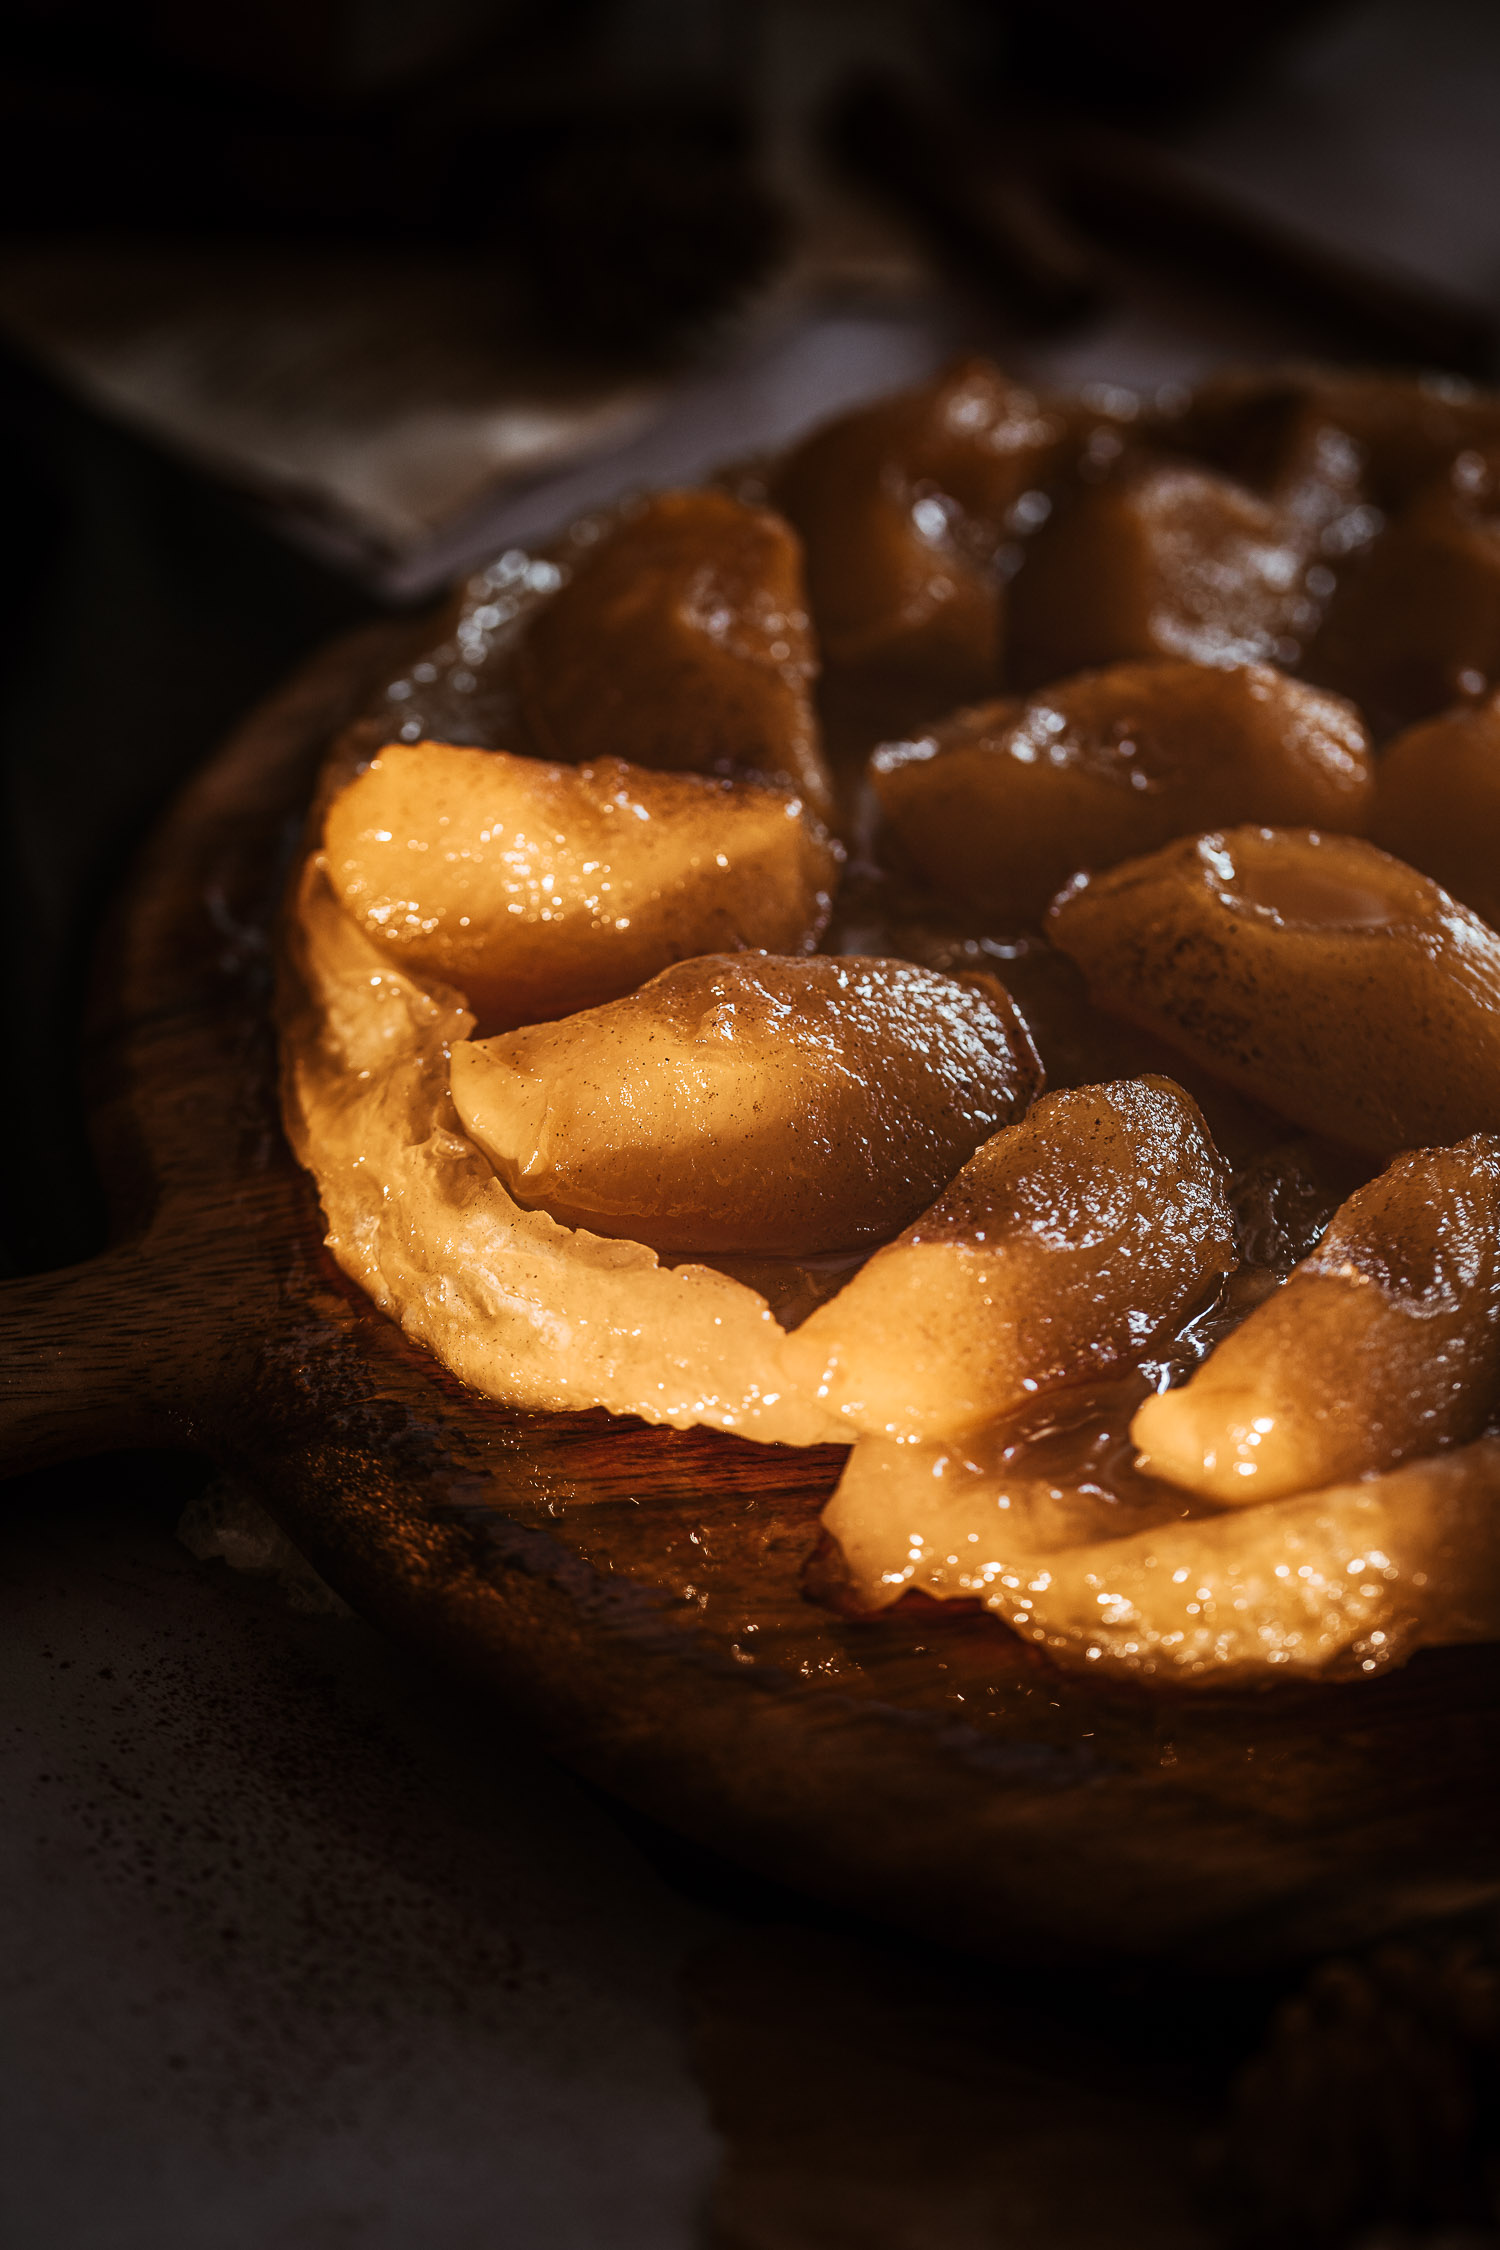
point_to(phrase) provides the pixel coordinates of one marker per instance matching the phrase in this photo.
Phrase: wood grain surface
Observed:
(637, 1594)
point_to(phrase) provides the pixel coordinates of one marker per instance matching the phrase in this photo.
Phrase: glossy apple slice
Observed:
(1419, 626)
(1350, 1579)
(956, 1519)
(1437, 803)
(902, 506)
(1062, 1248)
(1165, 559)
(1383, 1344)
(996, 807)
(1313, 972)
(751, 1103)
(538, 889)
(682, 642)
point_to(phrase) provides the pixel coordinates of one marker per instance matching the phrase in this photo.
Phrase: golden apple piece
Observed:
(751, 1103)
(1383, 1344)
(682, 642)
(541, 889)
(1283, 437)
(958, 1520)
(1351, 1579)
(1063, 1248)
(1437, 803)
(1313, 972)
(1403, 430)
(1164, 559)
(902, 505)
(999, 805)
(1418, 627)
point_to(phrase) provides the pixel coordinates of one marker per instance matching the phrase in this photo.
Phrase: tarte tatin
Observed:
(968, 941)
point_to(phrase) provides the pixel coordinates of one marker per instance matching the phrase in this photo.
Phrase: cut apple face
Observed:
(749, 1103)
(1351, 1579)
(681, 642)
(539, 889)
(1062, 1248)
(998, 806)
(1383, 1344)
(1332, 983)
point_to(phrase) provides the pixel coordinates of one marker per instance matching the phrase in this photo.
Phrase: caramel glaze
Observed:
(1222, 527)
(1285, 1187)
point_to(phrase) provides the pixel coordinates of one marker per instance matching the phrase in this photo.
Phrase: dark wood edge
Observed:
(132, 1347)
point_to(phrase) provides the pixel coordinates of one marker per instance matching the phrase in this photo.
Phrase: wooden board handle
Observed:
(161, 1339)
(93, 1357)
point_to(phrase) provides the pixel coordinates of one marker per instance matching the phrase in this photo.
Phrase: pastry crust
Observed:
(528, 1312)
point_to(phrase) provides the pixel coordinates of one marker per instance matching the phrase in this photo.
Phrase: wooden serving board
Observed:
(638, 1593)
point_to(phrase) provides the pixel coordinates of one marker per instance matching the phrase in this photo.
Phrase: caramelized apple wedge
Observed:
(1000, 804)
(1402, 430)
(681, 642)
(901, 506)
(1437, 803)
(541, 889)
(1284, 437)
(751, 1103)
(959, 1520)
(1313, 972)
(1419, 626)
(1384, 1344)
(1062, 1248)
(1347, 1580)
(1166, 559)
